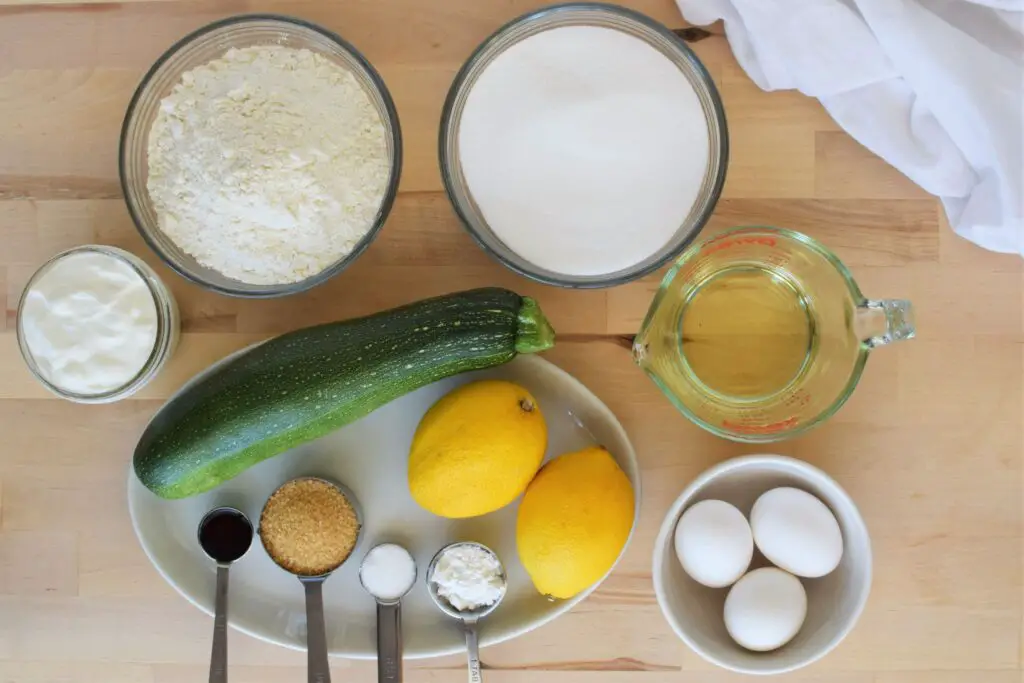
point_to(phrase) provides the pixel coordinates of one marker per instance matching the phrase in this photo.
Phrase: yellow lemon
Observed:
(476, 449)
(574, 521)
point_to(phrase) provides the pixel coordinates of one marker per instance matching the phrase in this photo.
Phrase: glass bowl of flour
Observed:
(260, 155)
(583, 145)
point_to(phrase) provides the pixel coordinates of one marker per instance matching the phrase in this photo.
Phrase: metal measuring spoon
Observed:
(389, 611)
(225, 534)
(318, 669)
(469, 617)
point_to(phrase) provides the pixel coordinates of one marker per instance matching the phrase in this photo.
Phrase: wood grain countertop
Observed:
(930, 445)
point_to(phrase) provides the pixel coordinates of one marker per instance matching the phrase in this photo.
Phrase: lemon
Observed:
(574, 521)
(476, 449)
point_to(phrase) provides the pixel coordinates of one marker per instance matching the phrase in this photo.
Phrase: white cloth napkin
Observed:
(935, 87)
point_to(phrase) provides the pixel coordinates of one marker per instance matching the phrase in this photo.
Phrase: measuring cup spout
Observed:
(883, 321)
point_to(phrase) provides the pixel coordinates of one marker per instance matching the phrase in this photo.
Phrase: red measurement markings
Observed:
(770, 428)
(726, 242)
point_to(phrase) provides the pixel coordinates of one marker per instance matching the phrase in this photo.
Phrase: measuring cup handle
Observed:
(389, 642)
(473, 650)
(319, 670)
(883, 321)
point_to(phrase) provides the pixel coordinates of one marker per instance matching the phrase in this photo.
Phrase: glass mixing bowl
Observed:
(583, 14)
(198, 48)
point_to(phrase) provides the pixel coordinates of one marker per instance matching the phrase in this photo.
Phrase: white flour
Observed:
(267, 164)
(584, 148)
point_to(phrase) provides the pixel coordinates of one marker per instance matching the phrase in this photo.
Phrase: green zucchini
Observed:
(304, 384)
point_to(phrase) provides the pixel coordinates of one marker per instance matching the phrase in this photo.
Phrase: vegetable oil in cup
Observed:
(759, 334)
(747, 332)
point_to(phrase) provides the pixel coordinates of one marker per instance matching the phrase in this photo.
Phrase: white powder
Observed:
(584, 148)
(268, 164)
(468, 577)
(388, 571)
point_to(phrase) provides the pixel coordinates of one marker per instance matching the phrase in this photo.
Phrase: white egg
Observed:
(765, 609)
(797, 532)
(714, 543)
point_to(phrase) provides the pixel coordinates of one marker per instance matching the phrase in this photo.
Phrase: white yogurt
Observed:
(584, 148)
(89, 322)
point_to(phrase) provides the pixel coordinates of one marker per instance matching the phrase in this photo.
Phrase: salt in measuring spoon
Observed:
(225, 535)
(469, 617)
(387, 573)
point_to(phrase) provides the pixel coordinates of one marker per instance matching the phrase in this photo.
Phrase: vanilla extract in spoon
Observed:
(225, 535)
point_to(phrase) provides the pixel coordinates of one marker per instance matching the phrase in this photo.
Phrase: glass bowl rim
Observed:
(646, 23)
(390, 192)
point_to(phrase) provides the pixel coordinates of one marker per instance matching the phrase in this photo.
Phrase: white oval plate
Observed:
(369, 456)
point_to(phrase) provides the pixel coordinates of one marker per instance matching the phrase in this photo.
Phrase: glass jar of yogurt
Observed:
(96, 324)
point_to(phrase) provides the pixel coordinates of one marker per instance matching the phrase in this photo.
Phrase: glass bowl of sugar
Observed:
(583, 145)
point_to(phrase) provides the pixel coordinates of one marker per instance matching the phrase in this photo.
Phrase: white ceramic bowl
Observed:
(834, 602)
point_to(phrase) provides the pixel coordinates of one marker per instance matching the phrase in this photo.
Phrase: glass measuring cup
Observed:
(759, 334)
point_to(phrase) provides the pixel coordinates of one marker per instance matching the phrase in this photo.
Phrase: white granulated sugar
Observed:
(469, 577)
(584, 148)
(268, 164)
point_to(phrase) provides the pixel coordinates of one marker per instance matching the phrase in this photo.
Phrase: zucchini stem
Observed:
(535, 333)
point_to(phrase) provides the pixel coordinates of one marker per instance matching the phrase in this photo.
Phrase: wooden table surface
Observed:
(930, 445)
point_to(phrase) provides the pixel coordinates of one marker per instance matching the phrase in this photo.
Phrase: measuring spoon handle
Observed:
(473, 650)
(389, 642)
(219, 654)
(316, 633)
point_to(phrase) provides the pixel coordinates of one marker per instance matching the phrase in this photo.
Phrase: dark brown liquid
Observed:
(225, 535)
